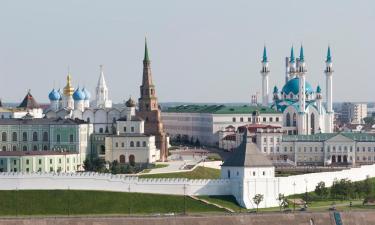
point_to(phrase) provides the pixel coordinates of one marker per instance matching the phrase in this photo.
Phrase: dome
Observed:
(130, 103)
(78, 95)
(54, 95)
(292, 86)
(87, 94)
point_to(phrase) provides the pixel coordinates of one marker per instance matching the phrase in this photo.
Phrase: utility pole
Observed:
(184, 199)
(294, 200)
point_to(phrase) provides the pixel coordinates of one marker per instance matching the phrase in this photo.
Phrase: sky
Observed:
(201, 51)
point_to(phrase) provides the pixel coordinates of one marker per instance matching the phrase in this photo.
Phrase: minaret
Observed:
(301, 70)
(292, 64)
(319, 98)
(149, 109)
(102, 99)
(329, 71)
(264, 72)
(275, 94)
(67, 99)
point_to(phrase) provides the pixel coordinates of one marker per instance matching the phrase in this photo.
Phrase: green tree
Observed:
(369, 120)
(321, 190)
(283, 201)
(95, 164)
(367, 187)
(257, 199)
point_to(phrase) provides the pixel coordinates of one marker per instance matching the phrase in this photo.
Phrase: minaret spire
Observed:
(329, 58)
(264, 59)
(292, 58)
(301, 56)
(329, 83)
(264, 72)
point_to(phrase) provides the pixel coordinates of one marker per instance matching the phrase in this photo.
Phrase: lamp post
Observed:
(294, 200)
(306, 191)
(184, 199)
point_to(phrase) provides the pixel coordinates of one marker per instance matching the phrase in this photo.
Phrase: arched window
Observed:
(294, 120)
(24, 136)
(101, 130)
(71, 138)
(132, 144)
(45, 147)
(35, 136)
(4, 148)
(35, 148)
(58, 138)
(122, 159)
(144, 144)
(14, 148)
(24, 148)
(288, 120)
(131, 160)
(88, 119)
(4, 136)
(14, 136)
(45, 136)
(138, 144)
(312, 123)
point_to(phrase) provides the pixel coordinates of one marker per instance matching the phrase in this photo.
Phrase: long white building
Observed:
(192, 122)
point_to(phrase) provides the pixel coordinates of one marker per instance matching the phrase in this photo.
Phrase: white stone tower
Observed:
(329, 71)
(264, 72)
(102, 99)
(291, 66)
(301, 123)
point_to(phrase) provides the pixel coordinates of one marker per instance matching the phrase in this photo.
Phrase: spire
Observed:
(301, 56)
(318, 89)
(292, 58)
(264, 55)
(329, 58)
(101, 81)
(146, 52)
(275, 90)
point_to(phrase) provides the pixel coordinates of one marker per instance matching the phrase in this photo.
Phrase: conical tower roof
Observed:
(29, 102)
(247, 155)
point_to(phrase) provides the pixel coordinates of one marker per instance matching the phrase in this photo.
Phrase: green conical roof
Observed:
(301, 56)
(264, 55)
(275, 90)
(329, 58)
(146, 52)
(318, 89)
(292, 58)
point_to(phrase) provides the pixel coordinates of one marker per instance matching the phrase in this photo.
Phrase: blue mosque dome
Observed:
(54, 95)
(87, 94)
(78, 95)
(292, 86)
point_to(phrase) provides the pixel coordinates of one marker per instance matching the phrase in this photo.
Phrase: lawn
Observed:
(227, 201)
(198, 173)
(72, 202)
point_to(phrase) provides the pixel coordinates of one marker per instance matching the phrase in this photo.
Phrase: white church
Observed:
(302, 105)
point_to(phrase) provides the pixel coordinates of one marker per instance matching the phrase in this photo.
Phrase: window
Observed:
(24, 148)
(253, 173)
(45, 147)
(265, 149)
(27, 162)
(27, 169)
(132, 160)
(138, 144)
(4, 148)
(122, 159)
(288, 120)
(14, 136)
(132, 129)
(132, 144)
(24, 136)
(124, 129)
(35, 148)
(364, 149)
(71, 138)
(122, 144)
(241, 119)
(116, 144)
(102, 150)
(50, 161)
(249, 119)
(285, 149)
(35, 136)
(264, 173)
(369, 149)
(14, 162)
(60, 161)
(277, 119)
(271, 149)
(234, 119)
(45, 136)
(67, 160)
(265, 140)
(144, 144)
(271, 119)
(4, 136)
(264, 119)
(14, 148)
(101, 130)
(228, 173)
(58, 138)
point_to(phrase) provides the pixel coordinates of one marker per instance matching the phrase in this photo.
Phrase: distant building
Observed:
(205, 123)
(28, 107)
(353, 113)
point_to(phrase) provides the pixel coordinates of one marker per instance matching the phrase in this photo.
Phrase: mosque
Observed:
(302, 105)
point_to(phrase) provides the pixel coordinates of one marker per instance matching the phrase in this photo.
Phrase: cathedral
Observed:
(302, 105)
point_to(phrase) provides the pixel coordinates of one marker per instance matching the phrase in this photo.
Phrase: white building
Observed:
(130, 144)
(192, 122)
(302, 107)
(353, 113)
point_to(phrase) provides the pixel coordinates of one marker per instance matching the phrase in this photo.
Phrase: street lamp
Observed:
(294, 200)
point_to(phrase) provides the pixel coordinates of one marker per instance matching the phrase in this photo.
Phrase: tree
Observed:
(258, 198)
(321, 190)
(369, 120)
(367, 187)
(283, 201)
(95, 164)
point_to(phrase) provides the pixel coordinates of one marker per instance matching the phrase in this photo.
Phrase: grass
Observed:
(227, 201)
(198, 173)
(158, 166)
(72, 202)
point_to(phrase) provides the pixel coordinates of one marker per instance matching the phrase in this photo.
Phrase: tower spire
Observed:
(264, 59)
(292, 58)
(329, 58)
(301, 56)
(146, 58)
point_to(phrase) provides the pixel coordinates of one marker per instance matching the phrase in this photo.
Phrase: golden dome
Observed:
(68, 89)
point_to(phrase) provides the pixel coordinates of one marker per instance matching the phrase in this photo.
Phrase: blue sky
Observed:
(201, 51)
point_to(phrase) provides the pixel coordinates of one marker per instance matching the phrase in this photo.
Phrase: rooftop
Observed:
(34, 153)
(40, 121)
(363, 137)
(220, 109)
(247, 155)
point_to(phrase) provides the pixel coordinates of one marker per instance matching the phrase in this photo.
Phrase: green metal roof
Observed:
(220, 109)
(363, 137)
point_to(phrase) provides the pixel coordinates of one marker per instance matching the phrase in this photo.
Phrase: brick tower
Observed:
(149, 109)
